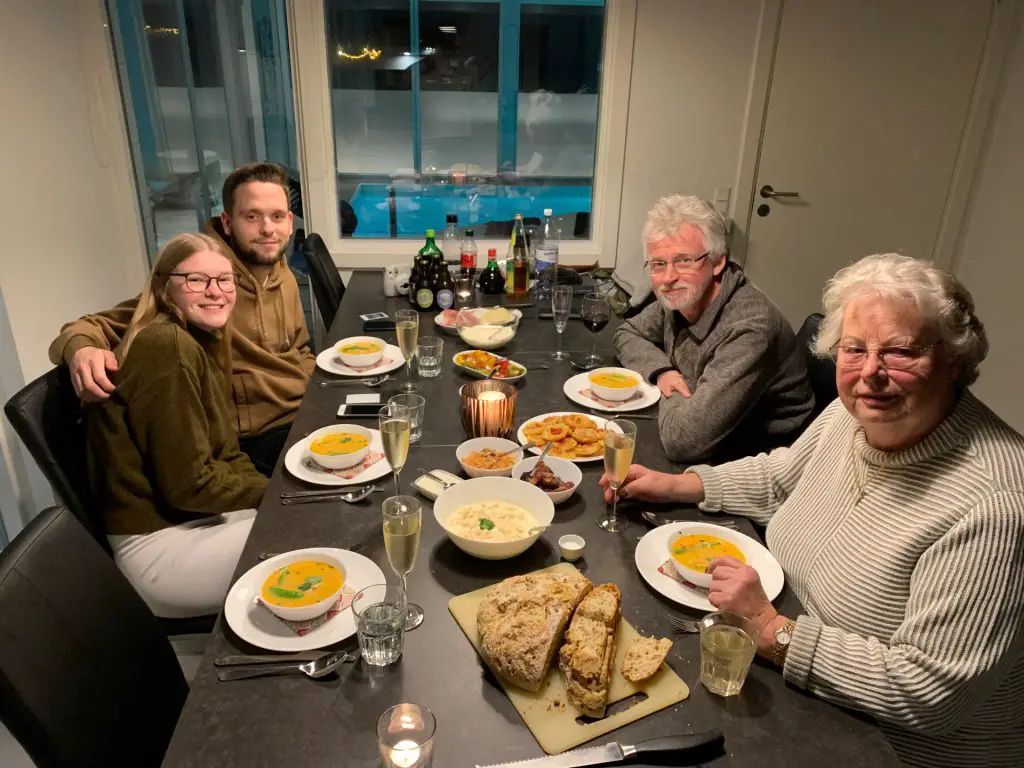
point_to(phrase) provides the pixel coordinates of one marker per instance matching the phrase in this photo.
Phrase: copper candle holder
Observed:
(488, 408)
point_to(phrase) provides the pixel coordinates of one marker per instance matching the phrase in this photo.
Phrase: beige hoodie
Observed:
(271, 361)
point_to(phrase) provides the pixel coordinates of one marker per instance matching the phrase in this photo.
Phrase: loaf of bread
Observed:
(521, 621)
(644, 657)
(587, 657)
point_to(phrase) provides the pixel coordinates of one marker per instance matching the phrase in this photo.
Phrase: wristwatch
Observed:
(783, 637)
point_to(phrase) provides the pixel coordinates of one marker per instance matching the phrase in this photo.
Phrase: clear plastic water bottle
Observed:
(547, 253)
(450, 240)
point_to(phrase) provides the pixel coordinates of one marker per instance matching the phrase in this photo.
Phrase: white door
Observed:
(866, 107)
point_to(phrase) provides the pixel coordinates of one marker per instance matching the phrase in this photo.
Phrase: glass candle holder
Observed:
(488, 408)
(405, 736)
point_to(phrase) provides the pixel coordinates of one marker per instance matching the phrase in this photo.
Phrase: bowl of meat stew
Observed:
(558, 478)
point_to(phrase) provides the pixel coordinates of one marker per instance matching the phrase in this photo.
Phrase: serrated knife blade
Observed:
(608, 754)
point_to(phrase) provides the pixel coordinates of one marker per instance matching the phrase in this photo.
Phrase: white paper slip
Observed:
(369, 397)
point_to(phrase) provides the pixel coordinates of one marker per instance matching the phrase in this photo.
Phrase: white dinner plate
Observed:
(521, 435)
(574, 387)
(330, 361)
(295, 461)
(255, 624)
(652, 551)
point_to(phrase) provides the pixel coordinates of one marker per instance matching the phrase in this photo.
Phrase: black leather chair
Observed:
(820, 370)
(47, 415)
(86, 676)
(328, 286)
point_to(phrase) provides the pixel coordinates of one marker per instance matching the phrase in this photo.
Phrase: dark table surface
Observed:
(302, 722)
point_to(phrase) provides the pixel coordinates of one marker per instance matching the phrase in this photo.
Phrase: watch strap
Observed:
(779, 649)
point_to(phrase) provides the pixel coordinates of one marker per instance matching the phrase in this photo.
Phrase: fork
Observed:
(658, 520)
(684, 625)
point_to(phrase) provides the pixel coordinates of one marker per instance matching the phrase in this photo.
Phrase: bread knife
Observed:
(610, 754)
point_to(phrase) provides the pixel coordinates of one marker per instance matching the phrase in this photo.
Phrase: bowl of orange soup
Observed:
(693, 546)
(614, 383)
(360, 351)
(303, 588)
(340, 448)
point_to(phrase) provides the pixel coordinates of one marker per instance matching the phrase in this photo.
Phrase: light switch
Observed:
(722, 197)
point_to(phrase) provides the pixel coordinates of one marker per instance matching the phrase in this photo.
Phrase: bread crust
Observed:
(587, 658)
(521, 621)
(644, 658)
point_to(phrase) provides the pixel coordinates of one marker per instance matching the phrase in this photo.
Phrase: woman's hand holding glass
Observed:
(736, 588)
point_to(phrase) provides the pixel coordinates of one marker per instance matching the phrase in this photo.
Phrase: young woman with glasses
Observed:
(177, 494)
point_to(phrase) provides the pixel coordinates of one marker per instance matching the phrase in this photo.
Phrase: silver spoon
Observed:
(659, 520)
(314, 669)
(375, 381)
(349, 496)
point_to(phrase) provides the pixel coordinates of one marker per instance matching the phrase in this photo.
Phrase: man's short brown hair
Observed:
(269, 172)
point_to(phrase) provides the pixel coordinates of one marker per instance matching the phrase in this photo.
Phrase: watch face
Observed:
(782, 637)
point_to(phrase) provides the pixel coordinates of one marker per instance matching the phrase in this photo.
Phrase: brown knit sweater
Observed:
(163, 449)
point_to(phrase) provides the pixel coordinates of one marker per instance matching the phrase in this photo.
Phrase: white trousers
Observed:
(185, 570)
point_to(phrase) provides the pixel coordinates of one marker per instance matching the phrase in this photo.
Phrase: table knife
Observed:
(234, 660)
(610, 754)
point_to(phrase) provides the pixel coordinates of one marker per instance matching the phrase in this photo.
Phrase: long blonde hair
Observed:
(155, 305)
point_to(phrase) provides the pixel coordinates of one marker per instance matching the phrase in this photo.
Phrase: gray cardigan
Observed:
(741, 361)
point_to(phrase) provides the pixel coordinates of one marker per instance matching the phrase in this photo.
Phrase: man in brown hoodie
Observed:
(271, 360)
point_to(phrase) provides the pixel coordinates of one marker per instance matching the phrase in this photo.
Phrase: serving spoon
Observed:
(314, 669)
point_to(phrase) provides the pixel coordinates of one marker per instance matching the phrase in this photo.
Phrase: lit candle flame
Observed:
(405, 754)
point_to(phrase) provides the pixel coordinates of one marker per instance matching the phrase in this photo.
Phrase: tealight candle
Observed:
(488, 408)
(405, 736)
(491, 396)
(405, 754)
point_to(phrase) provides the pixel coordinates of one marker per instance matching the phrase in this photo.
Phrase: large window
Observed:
(481, 108)
(207, 87)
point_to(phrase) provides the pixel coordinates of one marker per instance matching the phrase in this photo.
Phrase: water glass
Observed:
(405, 736)
(416, 406)
(428, 356)
(379, 611)
(726, 651)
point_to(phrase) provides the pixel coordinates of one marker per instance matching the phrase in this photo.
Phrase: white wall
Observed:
(692, 63)
(73, 239)
(992, 256)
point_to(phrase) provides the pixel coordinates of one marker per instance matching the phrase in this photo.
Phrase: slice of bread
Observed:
(521, 620)
(644, 657)
(587, 657)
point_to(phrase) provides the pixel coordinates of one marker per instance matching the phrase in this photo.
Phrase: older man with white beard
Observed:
(726, 361)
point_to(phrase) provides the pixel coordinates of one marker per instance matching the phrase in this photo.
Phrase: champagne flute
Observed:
(403, 518)
(395, 433)
(596, 313)
(561, 304)
(619, 443)
(407, 328)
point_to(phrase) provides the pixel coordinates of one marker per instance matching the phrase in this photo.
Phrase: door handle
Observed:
(768, 191)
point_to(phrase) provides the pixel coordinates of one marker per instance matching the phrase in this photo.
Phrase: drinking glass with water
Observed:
(379, 610)
(428, 356)
(726, 651)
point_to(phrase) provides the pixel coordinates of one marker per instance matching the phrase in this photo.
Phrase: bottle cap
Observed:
(452, 218)
(492, 252)
(469, 233)
(547, 211)
(430, 233)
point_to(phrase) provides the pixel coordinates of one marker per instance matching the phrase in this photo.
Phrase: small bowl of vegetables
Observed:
(477, 362)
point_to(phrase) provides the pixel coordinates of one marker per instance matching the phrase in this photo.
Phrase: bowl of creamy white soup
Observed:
(487, 327)
(493, 518)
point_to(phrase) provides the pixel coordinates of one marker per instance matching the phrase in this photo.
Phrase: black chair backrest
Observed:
(821, 371)
(327, 283)
(47, 415)
(86, 676)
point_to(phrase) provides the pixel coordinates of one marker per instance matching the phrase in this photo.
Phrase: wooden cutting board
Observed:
(548, 713)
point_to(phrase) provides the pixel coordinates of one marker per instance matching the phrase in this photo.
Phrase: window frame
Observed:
(315, 136)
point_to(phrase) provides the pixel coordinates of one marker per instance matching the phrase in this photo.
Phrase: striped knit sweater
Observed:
(910, 567)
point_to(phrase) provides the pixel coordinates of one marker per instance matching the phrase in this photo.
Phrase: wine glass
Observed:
(403, 517)
(395, 433)
(561, 304)
(407, 328)
(619, 443)
(596, 313)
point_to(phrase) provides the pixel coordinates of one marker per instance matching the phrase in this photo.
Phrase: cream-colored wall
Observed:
(692, 66)
(73, 243)
(991, 261)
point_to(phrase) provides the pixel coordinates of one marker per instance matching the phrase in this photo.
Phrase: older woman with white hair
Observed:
(898, 518)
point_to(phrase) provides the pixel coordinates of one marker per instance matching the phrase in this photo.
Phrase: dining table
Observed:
(331, 721)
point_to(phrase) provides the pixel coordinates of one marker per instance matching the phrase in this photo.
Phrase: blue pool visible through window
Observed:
(483, 109)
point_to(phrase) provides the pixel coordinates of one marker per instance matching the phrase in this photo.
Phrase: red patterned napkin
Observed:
(669, 570)
(301, 628)
(345, 474)
(364, 368)
(638, 395)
